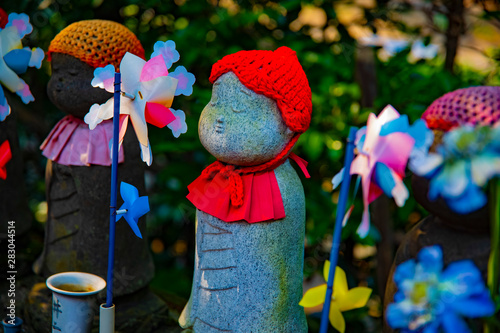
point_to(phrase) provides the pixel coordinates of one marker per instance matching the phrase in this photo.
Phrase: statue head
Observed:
(261, 103)
(74, 54)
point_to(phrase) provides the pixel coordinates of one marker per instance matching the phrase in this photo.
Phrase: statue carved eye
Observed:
(236, 106)
(238, 103)
(213, 101)
(73, 71)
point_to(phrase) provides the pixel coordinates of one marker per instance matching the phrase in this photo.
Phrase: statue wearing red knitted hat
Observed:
(250, 202)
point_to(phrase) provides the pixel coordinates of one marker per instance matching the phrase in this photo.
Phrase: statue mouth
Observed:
(219, 128)
(219, 125)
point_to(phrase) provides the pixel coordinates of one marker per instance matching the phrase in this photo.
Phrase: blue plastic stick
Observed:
(112, 206)
(334, 253)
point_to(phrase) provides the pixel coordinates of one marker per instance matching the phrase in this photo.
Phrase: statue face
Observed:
(69, 88)
(241, 127)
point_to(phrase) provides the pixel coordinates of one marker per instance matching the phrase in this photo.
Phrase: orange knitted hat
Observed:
(274, 74)
(474, 105)
(96, 42)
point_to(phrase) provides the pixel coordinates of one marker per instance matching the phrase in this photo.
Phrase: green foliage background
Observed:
(205, 31)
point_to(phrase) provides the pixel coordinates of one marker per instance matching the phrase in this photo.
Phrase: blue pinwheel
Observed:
(461, 167)
(432, 299)
(133, 207)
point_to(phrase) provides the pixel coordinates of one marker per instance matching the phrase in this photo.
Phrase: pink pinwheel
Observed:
(381, 161)
(147, 94)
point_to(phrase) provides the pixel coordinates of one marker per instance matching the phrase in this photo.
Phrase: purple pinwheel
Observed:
(133, 207)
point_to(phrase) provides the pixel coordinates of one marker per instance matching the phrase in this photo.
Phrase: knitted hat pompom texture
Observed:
(96, 43)
(474, 106)
(274, 74)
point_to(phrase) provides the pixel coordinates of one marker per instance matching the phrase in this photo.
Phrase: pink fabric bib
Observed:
(71, 142)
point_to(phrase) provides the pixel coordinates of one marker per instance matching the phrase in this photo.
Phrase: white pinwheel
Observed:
(147, 94)
(15, 60)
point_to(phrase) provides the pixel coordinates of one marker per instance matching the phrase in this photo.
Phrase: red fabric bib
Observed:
(233, 195)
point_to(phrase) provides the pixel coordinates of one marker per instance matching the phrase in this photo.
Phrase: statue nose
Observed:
(59, 85)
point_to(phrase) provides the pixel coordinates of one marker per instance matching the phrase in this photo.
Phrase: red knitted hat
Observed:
(274, 74)
(474, 105)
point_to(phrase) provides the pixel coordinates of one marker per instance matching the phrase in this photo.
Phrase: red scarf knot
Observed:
(230, 173)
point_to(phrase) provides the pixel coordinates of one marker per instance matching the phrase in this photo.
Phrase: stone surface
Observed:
(248, 277)
(241, 127)
(77, 228)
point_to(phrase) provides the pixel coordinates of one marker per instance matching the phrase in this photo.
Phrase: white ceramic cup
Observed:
(74, 301)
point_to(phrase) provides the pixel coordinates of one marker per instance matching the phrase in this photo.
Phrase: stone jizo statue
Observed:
(78, 170)
(250, 202)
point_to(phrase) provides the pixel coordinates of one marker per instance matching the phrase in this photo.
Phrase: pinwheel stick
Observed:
(112, 206)
(334, 253)
(494, 260)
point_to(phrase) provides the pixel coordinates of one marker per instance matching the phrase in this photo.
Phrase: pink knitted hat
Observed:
(474, 105)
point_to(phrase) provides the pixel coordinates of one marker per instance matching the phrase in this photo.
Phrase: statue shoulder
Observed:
(292, 191)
